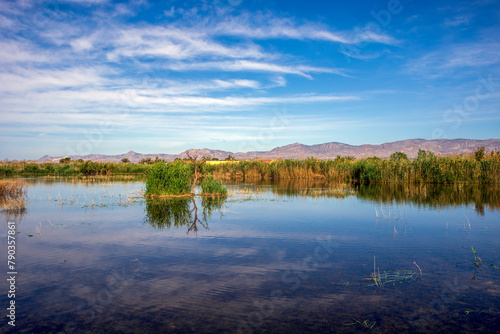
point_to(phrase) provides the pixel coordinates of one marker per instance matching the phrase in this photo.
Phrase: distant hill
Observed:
(322, 151)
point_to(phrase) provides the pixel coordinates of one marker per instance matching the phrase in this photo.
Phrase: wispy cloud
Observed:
(175, 44)
(156, 68)
(26, 80)
(456, 21)
(266, 26)
(16, 52)
(97, 101)
(86, 2)
(246, 65)
(457, 56)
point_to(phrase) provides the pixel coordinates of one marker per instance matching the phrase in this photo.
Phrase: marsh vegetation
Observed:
(165, 179)
(180, 179)
(478, 167)
(426, 168)
(13, 196)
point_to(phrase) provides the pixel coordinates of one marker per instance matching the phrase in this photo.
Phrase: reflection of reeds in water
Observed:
(12, 196)
(211, 204)
(336, 193)
(164, 213)
(434, 195)
(396, 214)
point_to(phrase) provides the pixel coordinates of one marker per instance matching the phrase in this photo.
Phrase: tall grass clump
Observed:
(167, 179)
(12, 196)
(209, 186)
(12, 188)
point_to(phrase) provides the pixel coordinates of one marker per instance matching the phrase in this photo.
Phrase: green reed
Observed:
(165, 179)
(211, 186)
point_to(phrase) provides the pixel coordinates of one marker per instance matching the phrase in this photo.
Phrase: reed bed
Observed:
(13, 188)
(12, 196)
(478, 167)
(169, 179)
(427, 168)
(209, 186)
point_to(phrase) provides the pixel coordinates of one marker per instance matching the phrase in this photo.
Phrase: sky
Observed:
(99, 76)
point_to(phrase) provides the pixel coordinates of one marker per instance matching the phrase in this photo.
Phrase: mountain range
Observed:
(322, 151)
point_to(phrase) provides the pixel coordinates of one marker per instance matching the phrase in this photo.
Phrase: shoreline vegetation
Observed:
(478, 167)
(13, 196)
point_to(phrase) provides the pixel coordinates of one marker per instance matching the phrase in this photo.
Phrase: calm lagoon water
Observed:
(271, 258)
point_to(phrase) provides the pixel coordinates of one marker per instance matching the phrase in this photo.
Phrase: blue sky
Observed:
(81, 77)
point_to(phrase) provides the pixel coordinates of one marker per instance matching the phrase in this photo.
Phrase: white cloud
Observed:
(278, 82)
(15, 52)
(260, 26)
(366, 35)
(78, 69)
(456, 21)
(87, 2)
(175, 44)
(453, 57)
(236, 102)
(82, 44)
(246, 65)
(5, 22)
(150, 100)
(238, 83)
(193, 87)
(26, 80)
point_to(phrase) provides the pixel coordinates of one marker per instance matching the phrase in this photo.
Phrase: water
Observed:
(289, 257)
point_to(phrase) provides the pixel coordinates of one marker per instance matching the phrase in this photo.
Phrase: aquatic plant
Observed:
(478, 262)
(212, 187)
(394, 276)
(12, 188)
(364, 324)
(477, 259)
(169, 179)
(12, 196)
